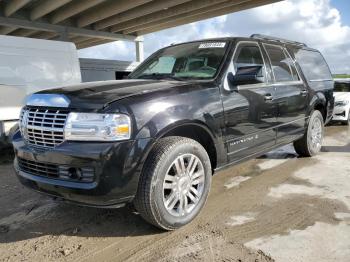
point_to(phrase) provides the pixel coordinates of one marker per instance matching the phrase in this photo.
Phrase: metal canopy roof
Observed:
(93, 22)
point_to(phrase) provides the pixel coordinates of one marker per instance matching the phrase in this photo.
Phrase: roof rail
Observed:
(276, 39)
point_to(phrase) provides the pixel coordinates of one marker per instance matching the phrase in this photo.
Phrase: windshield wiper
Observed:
(159, 76)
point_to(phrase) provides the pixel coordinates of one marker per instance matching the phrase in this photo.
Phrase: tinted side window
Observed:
(248, 55)
(282, 65)
(313, 65)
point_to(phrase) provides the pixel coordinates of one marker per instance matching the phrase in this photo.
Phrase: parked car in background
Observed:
(342, 101)
(30, 65)
(189, 110)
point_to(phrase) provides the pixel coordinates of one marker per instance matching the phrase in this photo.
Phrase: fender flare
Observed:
(318, 99)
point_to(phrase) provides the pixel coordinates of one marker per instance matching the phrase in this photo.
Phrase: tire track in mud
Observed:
(157, 243)
(277, 216)
(146, 249)
(205, 222)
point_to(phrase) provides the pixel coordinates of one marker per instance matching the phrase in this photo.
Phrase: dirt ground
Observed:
(275, 208)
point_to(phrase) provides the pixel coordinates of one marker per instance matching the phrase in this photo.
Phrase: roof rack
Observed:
(276, 39)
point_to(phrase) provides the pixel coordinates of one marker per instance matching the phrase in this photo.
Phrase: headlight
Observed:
(97, 127)
(341, 103)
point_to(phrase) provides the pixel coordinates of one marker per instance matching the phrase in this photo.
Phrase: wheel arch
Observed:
(319, 102)
(197, 131)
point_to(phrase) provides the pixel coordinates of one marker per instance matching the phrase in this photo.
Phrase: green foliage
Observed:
(341, 76)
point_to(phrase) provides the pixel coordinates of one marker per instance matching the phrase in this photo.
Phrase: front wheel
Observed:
(310, 144)
(175, 183)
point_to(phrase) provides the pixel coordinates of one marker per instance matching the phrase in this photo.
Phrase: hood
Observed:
(341, 96)
(96, 95)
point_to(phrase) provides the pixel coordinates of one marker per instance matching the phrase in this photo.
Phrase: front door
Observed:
(291, 94)
(249, 109)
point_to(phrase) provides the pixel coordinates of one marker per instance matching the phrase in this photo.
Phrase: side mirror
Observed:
(246, 75)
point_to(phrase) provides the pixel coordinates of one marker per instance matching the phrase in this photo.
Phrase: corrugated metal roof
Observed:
(93, 22)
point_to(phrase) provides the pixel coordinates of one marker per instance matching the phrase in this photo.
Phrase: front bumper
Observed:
(116, 168)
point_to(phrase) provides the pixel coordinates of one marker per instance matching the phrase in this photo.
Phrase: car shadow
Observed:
(284, 152)
(48, 217)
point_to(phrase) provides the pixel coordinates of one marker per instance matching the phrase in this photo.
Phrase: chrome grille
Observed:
(43, 127)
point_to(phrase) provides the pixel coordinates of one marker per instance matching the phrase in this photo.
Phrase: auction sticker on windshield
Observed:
(213, 45)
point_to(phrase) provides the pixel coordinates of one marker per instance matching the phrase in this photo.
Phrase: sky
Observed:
(321, 24)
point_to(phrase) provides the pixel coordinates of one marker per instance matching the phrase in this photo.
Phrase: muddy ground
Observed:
(275, 208)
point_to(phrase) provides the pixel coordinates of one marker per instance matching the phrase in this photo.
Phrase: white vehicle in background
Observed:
(29, 65)
(101, 69)
(341, 111)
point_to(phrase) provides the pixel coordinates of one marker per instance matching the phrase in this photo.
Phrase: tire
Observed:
(310, 144)
(160, 183)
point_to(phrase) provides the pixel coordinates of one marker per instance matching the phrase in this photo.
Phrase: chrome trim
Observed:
(298, 82)
(49, 100)
(262, 85)
(253, 86)
(321, 80)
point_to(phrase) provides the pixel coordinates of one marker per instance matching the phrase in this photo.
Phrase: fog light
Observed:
(74, 173)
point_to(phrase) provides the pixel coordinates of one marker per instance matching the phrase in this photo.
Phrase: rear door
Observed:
(318, 76)
(249, 109)
(291, 94)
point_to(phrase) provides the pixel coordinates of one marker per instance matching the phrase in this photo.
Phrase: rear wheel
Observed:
(310, 144)
(175, 183)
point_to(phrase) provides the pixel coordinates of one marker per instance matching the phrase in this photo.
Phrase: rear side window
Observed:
(282, 65)
(313, 65)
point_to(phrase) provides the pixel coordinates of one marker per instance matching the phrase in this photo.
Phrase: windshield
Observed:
(200, 60)
(342, 87)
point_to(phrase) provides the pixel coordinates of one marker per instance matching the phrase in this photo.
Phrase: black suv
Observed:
(189, 110)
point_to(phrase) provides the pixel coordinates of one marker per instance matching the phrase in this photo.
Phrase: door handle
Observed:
(304, 92)
(268, 97)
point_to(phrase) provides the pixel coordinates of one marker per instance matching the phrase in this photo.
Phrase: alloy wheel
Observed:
(183, 185)
(316, 134)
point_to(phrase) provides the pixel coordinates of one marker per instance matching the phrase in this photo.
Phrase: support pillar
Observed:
(139, 51)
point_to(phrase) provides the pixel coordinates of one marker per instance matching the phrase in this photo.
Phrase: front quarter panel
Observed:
(155, 113)
(152, 113)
